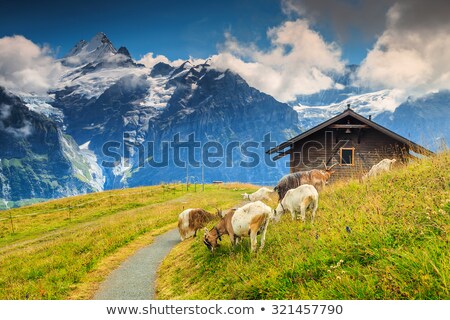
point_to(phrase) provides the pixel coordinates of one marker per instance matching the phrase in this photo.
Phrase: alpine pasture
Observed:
(387, 238)
(384, 239)
(64, 248)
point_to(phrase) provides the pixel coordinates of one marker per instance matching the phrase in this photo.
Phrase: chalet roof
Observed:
(280, 149)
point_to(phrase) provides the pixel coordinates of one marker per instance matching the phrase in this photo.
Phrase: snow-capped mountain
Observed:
(423, 120)
(98, 49)
(114, 117)
(367, 104)
(106, 96)
(155, 105)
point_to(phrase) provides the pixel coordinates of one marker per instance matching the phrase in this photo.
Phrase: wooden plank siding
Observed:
(370, 147)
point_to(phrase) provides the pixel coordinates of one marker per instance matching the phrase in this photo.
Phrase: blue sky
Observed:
(176, 29)
(285, 48)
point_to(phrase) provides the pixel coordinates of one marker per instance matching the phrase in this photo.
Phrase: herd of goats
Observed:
(296, 192)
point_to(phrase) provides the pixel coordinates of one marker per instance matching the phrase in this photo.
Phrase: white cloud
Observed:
(21, 132)
(193, 61)
(299, 61)
(412, 53)
(26, 67)
(149, 61)
(5, 111)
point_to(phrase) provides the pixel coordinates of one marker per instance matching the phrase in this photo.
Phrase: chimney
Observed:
(370, 117)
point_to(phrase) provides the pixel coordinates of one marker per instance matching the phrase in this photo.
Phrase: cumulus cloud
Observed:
(21, 132)
(193, 61)
(26, 67)
(149, 61)
(412, 53)
(299, 61)
(5, 111)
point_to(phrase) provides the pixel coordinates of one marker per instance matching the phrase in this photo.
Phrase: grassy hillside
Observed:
(397, 247)
(62, 249)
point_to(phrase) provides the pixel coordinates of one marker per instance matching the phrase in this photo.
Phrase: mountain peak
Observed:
(99, 40)
(124, 51)
(97, 49)
(101, 35)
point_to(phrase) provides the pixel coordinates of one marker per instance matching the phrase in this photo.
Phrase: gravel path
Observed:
(135, 278)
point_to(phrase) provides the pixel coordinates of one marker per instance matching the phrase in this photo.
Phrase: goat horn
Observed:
(332, 166)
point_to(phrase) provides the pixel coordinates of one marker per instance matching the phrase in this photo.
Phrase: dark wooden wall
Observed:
(371, 146)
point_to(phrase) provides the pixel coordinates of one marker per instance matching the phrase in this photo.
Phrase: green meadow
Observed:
(64, 248)
(384, 239)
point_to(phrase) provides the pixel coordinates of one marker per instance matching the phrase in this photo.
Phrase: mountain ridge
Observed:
(104, 96)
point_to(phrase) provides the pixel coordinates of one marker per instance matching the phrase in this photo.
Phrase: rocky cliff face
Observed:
(220, 107)
(169, 102)
(37, 159)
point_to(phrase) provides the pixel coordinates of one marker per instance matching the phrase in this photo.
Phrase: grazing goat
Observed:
(382, 166)
(263, 194)
(248, 220)
(299, 200)
(191, 220)
(317, 178)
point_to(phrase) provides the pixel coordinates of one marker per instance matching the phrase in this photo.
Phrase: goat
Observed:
(191, 220)
(263, 194)
(249, 220)
(317, 178)
(382, 166)
(299, 200)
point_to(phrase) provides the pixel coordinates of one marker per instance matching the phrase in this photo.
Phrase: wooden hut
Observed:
(349, 141)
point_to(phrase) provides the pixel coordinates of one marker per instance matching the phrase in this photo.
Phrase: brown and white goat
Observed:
(315, 177)
(249, 220)
(191, 220)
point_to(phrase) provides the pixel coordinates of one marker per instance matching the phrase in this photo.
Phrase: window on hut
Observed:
(347, 156)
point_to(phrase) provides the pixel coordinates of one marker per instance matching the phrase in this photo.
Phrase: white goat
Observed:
(382, 166)
(263, 194)
(299, 200)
